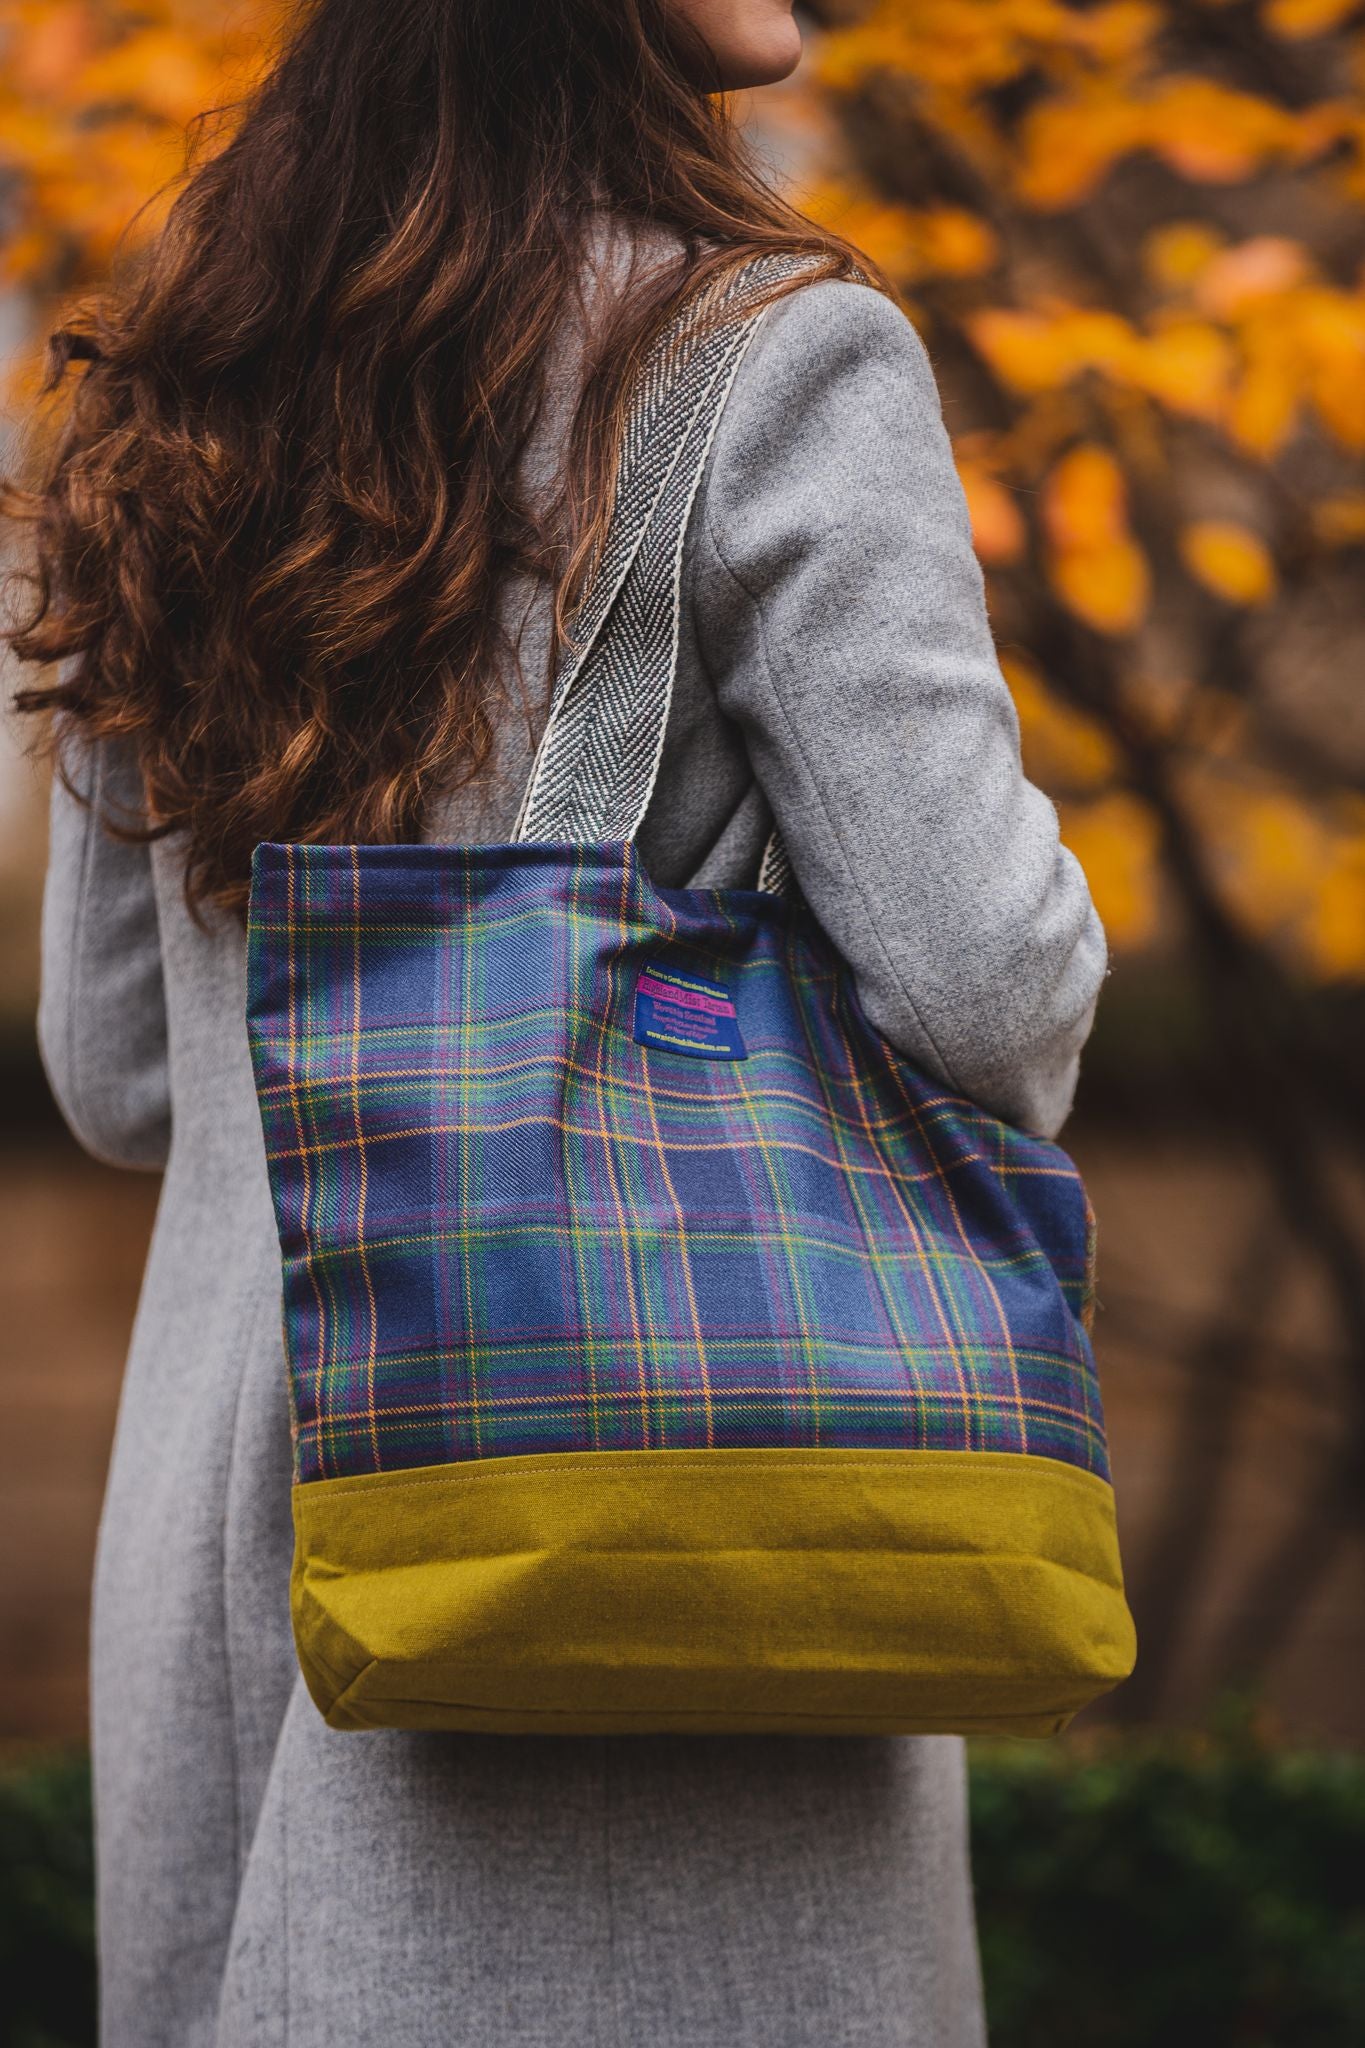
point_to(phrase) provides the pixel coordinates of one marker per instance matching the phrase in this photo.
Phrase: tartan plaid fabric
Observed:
(507, 1227)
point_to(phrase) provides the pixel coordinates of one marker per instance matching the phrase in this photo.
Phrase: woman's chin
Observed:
(768, 66)
(777, 63)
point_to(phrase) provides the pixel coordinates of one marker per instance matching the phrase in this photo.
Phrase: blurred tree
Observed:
(95, 100)
(1133, 235)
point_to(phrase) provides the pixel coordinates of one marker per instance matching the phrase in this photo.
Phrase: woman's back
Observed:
(263, 1879)
(834, 641)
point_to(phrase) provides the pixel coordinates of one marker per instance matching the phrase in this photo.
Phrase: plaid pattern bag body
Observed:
(666, 1352)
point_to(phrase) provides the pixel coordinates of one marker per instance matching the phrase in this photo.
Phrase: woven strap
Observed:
(596, 766)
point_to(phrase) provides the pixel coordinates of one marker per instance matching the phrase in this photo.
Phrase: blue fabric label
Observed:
(680, 1012)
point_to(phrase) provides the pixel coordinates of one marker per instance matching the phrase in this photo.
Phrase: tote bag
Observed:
(666, 1352)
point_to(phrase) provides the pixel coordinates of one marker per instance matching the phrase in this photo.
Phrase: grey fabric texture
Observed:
(263, 1880)
(598, 760)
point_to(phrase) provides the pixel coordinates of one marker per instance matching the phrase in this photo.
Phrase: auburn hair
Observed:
(284, 497)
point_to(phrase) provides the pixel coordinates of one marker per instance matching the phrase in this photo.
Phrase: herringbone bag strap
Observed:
(597, 762)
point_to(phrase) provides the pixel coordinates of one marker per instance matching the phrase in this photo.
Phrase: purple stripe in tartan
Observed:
(509, 1228)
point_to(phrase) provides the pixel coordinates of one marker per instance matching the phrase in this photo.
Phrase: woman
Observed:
(333, 476)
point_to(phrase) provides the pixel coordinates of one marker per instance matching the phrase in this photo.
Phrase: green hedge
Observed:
(1137, 1895)
(47, 1912)
(1158, 1893)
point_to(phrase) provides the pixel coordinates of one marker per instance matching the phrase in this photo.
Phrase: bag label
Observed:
(681, 1012)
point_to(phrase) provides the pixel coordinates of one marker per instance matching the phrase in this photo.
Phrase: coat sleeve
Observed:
(102, 1012)
(840, 613)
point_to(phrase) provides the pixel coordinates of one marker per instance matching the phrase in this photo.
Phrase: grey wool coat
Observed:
(265, 1883)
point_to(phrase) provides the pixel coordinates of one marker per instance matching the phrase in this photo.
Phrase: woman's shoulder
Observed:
(832, 366)
(835, 390)
(837, 328)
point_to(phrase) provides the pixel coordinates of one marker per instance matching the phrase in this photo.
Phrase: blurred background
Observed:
(1132, 234)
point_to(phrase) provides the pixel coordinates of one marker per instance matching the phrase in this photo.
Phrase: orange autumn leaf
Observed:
(1063, 749)
(51, 49)
(1188, 367)
(28, 140)
(1108, 586)
(1213, 134)
(882, 230)
(1267, 401)
(1119, 31)
(954, 242)
(1069, 147)
(1100, 340)
(1085, 501)
(1036, 352)
(1295, 19)
(999, 533)
(1207, 131)
(1272, 853)
(1180, 252)
(1095, 565)
(1117, 842)
(1229, 561)
(944, 241)
(1024, 348)
(1259, 269)
(165, 72)
(1331, 333)
(1339, 522)
(1334, 927)
(968, 46)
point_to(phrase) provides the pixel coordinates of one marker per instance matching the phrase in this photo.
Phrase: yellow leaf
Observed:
(1025, 349)
(1109, 586)
(1208, 132)
(30, 141)
(1342, 406)
(1036, 352)
(26, 256)
(1331, 329)
(1101, 341)
(955, 243)
(1117, 842)
(1334, 933)
(1340, 522)
(942, 241)
(1096, 566)
(45, 56)
(1272, 853)
(1122, 30)
(886, 232)
(1063, 749)
(1085, 500)
(1266, 403)
(1069, 146)
(1230, 561)
(1179, 253)
(165, 71)
(1300, 18)
(1263, 268)
(1187, 367)
(998, 529)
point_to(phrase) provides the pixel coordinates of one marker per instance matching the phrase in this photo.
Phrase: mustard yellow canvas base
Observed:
(817, 1592)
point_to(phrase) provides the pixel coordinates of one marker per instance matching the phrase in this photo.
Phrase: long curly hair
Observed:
(271, 533)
